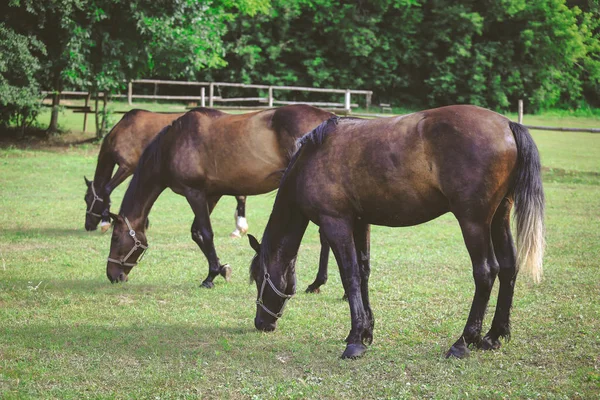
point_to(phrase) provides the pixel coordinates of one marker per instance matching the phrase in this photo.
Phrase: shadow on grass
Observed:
(49, 232)
(136, 340)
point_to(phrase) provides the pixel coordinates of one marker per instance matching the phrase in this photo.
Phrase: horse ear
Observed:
(254, 244)
(87, 182)
(114, 217)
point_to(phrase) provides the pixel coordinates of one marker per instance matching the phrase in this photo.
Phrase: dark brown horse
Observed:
(204, 155)
(405, 171)
(123, 146)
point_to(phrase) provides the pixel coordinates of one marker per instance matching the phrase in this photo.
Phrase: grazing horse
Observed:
(204, 155)
(123, 146)
(404, 171)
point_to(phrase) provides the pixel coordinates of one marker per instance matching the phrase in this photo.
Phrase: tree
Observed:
(19, 90)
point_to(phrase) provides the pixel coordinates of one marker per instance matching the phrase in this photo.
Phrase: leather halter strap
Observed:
(96, 198)
(136, 245)
(284, 296)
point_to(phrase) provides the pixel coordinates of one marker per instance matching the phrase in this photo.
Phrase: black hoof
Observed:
(488, 344)
(458, 351)
(226, 272)
(207, 285)
(312, 289)
(354, 351)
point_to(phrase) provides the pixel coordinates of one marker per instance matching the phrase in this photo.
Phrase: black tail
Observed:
(529, 203)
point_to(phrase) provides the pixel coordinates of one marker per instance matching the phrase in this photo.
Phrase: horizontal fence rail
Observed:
(270, 100)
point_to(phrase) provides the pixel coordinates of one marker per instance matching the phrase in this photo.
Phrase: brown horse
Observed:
(123, 146)
(204, 155)
(405, 171)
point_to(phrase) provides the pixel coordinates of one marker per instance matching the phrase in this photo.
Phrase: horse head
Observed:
(127, 248)
(97, 208)
(269, 276)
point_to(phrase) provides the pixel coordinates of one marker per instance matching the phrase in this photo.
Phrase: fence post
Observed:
(211, 93)
(85, 114)
(270, 96)
(520, 111)
(368, 96)
(202, 96)
(347, 101)
(129, 94)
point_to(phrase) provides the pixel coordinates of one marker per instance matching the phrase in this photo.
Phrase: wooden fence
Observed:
(270, 100)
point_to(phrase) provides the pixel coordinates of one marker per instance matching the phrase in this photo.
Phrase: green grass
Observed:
(66, 332)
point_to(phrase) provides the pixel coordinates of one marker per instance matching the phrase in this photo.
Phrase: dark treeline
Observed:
(411, 53)
(421, 53)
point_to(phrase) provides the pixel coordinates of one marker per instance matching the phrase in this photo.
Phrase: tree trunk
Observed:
(53, 127)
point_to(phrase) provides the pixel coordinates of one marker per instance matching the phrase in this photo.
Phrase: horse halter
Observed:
(286, 297)
(96, 198)
(137, 245)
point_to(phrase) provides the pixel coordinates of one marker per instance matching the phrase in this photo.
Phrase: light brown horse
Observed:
(405, 171)
(123, 146)
(204, 155)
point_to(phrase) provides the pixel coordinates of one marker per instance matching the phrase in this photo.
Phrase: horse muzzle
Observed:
(263, 325)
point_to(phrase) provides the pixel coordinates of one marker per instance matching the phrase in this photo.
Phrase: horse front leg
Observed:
(202, 234)
(118, 178)
(241, 224)
(321, 277)
(339, 234)
(362, 241)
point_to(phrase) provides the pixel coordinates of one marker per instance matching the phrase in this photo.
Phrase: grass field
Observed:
(66, 332)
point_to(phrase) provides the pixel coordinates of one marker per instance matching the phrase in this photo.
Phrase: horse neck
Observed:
(283, 235)
(140, 197)
(104, 167)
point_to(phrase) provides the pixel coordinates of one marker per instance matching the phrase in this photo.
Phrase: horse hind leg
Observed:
(478, 240)
(241, 224)
(507, 275)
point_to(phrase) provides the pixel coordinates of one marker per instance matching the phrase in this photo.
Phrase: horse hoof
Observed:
(104, 226)
(310, 289)
(207, 285)
(488, 344)
(354, 351)
(458, 352)
(226, 272)
(235, 234)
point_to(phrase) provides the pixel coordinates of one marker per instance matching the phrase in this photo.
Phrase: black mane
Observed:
(149, 163)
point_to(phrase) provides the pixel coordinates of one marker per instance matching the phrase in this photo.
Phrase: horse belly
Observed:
(403, 209)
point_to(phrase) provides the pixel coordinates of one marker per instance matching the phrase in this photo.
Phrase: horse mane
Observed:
(209, 112)
(314, 138)
(149, 163)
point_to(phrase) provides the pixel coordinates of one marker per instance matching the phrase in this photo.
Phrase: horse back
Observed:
(402, 171)
(132, 134)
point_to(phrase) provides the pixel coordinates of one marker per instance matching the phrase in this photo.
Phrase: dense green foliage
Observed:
(426, 52)
(19, 99)
(411, 53)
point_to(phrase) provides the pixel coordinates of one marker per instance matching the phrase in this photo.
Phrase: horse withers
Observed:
(123, 146)
(404, 171)
(204, 155)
